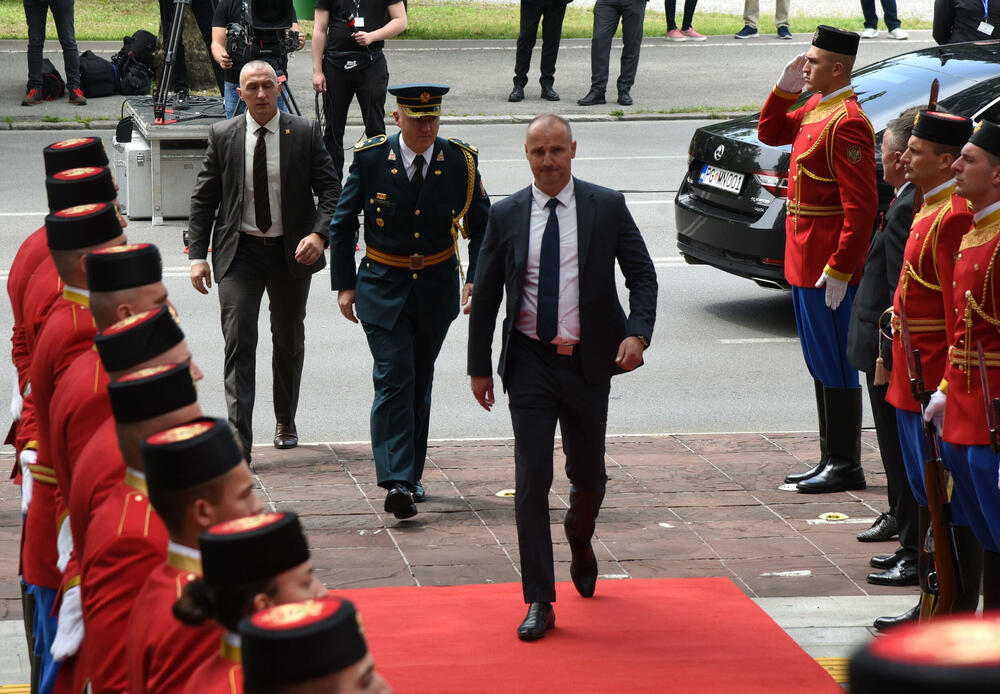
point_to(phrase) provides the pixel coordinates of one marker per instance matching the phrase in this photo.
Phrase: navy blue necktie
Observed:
(548, 277)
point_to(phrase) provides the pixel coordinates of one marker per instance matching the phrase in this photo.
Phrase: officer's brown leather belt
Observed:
(803, 209)
(962, 357)
(42, 473)
(920, 325)
(412, 262)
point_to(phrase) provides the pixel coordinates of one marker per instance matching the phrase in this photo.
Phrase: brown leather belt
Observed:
(411, 262)
(561, 350)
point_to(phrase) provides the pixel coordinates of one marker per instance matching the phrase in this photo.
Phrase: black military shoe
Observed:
(884, 528)
(540, 618)
(624, 98)
(550, 94)
(837, 476)
(912, 614)
(516, 94)
(419, 495)
(904, 573)
(796, 477)
(399, 502)
(887, 561)
(593, 98)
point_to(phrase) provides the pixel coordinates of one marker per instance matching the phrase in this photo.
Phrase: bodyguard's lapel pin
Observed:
(288, 131)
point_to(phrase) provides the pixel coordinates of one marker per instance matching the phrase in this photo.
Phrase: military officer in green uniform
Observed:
(420, 193)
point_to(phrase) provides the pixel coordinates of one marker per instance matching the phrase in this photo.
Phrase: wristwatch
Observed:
(644, 340)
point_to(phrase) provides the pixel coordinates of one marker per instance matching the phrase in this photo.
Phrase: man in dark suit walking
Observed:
(552, 247)
(260, 172)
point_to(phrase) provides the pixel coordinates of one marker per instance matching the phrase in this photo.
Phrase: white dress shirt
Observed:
(272, 142)
(410, 158)
(568, 332)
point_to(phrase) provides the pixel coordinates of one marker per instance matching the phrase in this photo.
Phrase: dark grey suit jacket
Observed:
(605, 233)
(306, 168)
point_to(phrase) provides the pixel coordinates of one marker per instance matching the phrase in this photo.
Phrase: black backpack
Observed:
(53, 85)
(97, 75)
(134, 63)
(141, 46)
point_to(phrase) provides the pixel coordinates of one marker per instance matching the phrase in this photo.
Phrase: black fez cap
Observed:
(74, 153)
(112, 268)
(79, 186)
(82, 226)
(943, 128)
(419, 100)
(252, 548)
(301, 641)
(987, 136)
(138, 338)
(152, 392)
(836, 40)
(190, 454)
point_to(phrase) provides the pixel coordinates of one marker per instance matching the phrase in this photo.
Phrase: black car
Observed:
(730, 208)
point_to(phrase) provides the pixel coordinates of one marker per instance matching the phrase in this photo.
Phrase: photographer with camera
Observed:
(348, 36)
(233, 47)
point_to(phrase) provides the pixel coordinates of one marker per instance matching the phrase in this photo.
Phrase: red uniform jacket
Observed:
(832, 196)
(221, 674)
(163, 652)
(125, 541)
(68, 331)
(33, 251)
(928, 263)
(99, 468)
(976, 295)
(42, 293)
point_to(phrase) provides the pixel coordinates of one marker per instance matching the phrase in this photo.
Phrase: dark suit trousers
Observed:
(901, 501)
(550, 13)
(258, 267)
(369, 84)
(544, 388)
(403, 373)
(606, 16)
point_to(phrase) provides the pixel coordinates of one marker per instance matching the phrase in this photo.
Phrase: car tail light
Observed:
(773, 182)
(773, 261)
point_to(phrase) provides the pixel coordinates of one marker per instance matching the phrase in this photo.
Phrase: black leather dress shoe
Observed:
(399, 502)
(884, 528)
(910, 615)
(592, 99)
(904, 573)
(516, 94)
(540, 618)
(583, 570)
(837, 476)
(419, 495)
(550, 94)
(887, 561)
(624, 98)
(285, 436)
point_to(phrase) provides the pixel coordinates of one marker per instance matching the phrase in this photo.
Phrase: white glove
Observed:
(64, 541)
(934, 412)
(70, 631)
(28, 456)
(792, 80)
(16, 401)
(836, 290)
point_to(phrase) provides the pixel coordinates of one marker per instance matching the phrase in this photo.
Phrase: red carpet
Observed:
(700, 635)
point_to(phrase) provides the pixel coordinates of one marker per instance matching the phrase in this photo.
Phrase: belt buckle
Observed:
(416, 262)
(565, 350)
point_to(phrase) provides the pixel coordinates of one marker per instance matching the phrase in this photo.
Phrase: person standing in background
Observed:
(35, 14)
(956, 21)
(751, 13)
(607, 14)
(892, 22)
(686, 32)
(551, 13)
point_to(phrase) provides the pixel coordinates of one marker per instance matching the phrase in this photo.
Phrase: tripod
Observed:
(285, 91)
(173, 40)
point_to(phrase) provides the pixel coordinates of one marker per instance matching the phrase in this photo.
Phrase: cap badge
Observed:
(80, 210)
(425, 97)
(291, 614)
(147, 372)
(241, 525)
(72, 142)
(181, 433)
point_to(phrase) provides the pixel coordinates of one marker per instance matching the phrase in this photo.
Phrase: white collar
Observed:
(937, 189)
(900, 190)
(409, 155)
(827, 97)
(271, 126)
(76, 290)
(564, 196)
(989, 209)
(183, 550)
(231, 638)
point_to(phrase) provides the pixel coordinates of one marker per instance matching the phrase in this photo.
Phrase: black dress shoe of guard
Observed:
(887, 561)
(540, 618)
(583, 570)
(550, 94)
(837, 476)
(592, 99)
(516, 94)
(884, 528)
(285, 436)
(796, 477)
(399, 502)
(624, 98)
(912, 614)
(419, 495)
(904, 573)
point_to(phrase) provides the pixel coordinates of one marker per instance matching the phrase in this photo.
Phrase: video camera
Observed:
(264, 32)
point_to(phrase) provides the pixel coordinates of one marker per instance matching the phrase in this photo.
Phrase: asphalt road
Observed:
(724, 354)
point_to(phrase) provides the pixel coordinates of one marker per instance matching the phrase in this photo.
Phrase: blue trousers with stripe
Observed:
(974, 471)
(823, 336)
(915, 454)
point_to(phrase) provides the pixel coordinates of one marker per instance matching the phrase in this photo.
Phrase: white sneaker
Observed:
(898, 34)
(869, 33)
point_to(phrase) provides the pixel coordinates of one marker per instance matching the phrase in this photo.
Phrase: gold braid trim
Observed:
(460, 223)
(931, 239)
(800, 169)
(972, 305)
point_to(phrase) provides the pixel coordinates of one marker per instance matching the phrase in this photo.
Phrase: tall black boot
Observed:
(970, 569)
(795, 477)
(843, 429)
(991, 581)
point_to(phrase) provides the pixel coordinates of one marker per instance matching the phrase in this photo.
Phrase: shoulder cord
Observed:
(460, 223)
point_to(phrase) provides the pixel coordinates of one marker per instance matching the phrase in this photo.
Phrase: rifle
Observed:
(992, 404)
(945, 580)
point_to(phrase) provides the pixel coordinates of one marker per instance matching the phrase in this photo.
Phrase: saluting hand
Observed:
(792, 80)
(309, 249)
(345, 300)
(466, 295)
(482, 388)
(629, 353)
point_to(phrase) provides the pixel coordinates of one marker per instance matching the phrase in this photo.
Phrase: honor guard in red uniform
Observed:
(310, 647)
(249, 564)
(976, 318)
(197, 477)
(832, 201)
(126, 540)
(68, 331)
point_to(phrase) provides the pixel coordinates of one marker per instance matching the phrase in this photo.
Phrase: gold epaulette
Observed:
(376, 141)
(464, 145)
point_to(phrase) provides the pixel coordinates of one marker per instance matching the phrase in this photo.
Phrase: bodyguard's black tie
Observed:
(418, 174)
(548, 277)
(261, 197)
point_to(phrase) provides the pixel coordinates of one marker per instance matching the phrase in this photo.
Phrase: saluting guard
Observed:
(419, 193)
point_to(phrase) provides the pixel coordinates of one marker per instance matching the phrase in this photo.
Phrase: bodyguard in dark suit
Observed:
(550, 13)
(415, 189)
(269, 242)
(552, 247)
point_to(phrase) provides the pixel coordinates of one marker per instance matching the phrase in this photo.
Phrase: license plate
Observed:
(720, 178)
